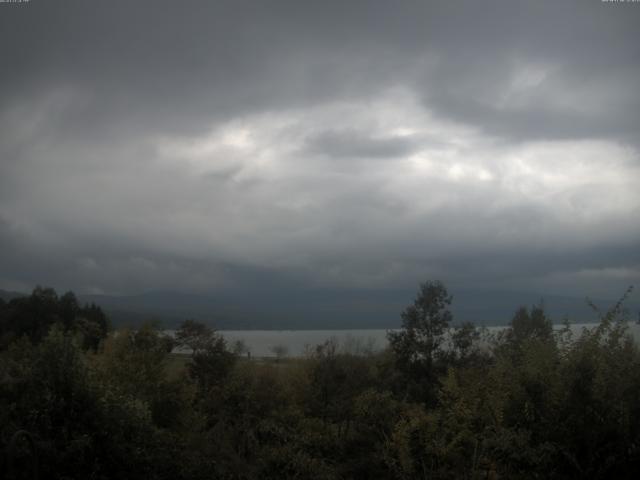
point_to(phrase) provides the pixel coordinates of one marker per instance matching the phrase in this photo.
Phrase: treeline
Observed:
(79, 401)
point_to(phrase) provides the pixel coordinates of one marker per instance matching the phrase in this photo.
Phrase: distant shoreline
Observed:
(261, 342)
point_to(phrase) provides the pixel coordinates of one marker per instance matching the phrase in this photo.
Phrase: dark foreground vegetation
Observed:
(80, 402)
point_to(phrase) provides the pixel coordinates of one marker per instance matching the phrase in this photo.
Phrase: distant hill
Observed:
(301, 309)
(331, 309)
(7, 295)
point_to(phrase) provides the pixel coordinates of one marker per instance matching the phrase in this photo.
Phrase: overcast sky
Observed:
(193, 146)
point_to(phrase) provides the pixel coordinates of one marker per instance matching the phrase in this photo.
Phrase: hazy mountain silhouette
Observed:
(331, 309)
(326, 308)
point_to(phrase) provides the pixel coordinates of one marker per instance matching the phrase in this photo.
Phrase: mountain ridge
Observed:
(313, 309)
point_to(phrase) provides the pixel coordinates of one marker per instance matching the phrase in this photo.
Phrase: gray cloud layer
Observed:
(194, 145)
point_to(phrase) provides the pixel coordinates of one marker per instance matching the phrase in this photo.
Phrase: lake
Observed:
(261, 342)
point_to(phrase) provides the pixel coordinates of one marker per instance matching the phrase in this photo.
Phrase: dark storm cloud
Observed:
(186, 62)
(153, 143)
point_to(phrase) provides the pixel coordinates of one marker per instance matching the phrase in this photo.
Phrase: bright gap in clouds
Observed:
(584, 179)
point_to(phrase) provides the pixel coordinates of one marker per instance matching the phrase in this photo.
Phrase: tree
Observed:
(68, 309)
(240, 348)
(93, 324)
(211, 363)
(530, 324)
(280, 351)
(418, 345)
(134, 361)
(34, 315)
(463, 340)
(194, 335)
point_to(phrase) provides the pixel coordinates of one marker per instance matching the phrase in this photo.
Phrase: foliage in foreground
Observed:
(529, 403)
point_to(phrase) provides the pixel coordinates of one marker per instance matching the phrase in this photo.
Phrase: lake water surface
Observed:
(262, 342)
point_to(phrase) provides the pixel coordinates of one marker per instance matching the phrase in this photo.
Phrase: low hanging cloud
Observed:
(364, 145)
